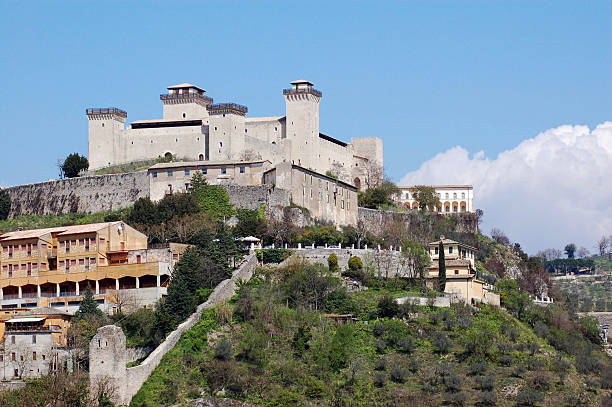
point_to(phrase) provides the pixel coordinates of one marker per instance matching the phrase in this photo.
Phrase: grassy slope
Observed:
(277, 376)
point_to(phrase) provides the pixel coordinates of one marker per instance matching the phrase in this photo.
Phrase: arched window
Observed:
(201, 157)
(357, 183)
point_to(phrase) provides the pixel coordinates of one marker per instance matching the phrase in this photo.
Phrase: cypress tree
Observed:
(441, 267)
(88, 307)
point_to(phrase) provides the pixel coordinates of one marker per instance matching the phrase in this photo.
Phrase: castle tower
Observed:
(106, 126)
(107, 362)
(226, 131)
(303, 122)
(185, 102)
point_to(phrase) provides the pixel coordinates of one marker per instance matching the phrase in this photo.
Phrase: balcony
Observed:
(179, 96)
(295, 91)
(106, 111)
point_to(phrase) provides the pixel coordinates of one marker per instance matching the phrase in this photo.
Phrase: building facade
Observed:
(326, 198)
(194, 128)
(454, 198)
(168, 178)
(53, 267)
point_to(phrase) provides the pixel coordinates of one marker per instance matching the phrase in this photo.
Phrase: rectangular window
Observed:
(154, 174)
(13, 357)
(170, 189)
(450, 249)
(223, 170)
(61, 263)
(34, 353)
(187, 187)
(73, 242)
(242, 170)
(436, 251)
(23, 267)
(73, 262)
(33, 338)
(86, 264)
(187, 173)
(342, 204)
(170, 173)
(92, 260)
(43, 266)
(138, 259)
(81, 262)
(13, 342)
(81, 242)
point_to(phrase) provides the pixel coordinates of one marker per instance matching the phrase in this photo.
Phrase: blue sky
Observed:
(424, 76)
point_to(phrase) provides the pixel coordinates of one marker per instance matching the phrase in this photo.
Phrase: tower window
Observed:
(183, 115)
(220, 144)
(245, 130)
(242, 169)
(154, 174)
(102, 124)
(215, 128)
(170, 173)
(223, 170)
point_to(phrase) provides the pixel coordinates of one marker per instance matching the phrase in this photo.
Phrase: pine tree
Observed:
(441, 267)
(88, 307)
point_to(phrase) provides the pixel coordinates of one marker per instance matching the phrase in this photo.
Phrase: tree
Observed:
(73, 165)
(602, 244)
(378, 196)
(5, 204)
(582, 252)
(332, 263)
(373, 174)
(426, 197)
(88, 307)
(418, 258)
(550, 254)
(250, 223)
(441, 268)
(213, 199)
(500, 237)
(570, 250)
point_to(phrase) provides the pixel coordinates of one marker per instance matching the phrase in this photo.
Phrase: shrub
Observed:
(456, 399)
(442, 343)
(355, 263)
(406, 345)
(478, 368)
(387, 307)
(535, 364)
(300, 340)
(380, 364)
(519, 371)
(413, 365)
(541, 330)
(341, 347)
(378, 329)
(506, 360)
(380, 345)
(464, 323)
(533, 348)
(276, 255)
(541, 381)
(399, 374)
(529, 398)
(505, 347)
(486, 383)
(606, 378)
(513, 334)
(223, 350)
(332, 263)
(487, 398)
(380, 379)
(586, 362)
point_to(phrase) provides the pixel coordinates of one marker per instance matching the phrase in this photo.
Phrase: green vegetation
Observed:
(135, 165)
(274, 347)
(379, 196)
(73, 165)
(213, 199)
(276, 255)
(426, 197)
(49, 221)
(5, 204)
(588, 293)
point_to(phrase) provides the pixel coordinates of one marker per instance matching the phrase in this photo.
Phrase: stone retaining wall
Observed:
(108, 361)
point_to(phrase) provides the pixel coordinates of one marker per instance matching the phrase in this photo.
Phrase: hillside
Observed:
(273, 345)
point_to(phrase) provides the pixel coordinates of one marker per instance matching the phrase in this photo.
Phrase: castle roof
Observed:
(301, 81)
(185, 85)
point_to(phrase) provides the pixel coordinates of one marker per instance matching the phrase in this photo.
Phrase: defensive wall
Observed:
(84, 194)
(376, 221)
(108, 355)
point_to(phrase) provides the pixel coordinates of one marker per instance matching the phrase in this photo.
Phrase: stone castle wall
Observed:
(109, 361)
(84, 194)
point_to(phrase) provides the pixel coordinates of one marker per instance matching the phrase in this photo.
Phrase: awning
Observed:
(27, 319)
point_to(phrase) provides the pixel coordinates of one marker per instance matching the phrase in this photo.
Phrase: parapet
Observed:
(227, 108)
(103, 113)
(301, 87)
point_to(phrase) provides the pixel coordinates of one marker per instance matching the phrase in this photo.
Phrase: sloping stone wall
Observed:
(84, 194)
(129, 380)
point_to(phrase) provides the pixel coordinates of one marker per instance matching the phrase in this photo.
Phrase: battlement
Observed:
(227, 108)
(105, 113)
(185, 98)
(301, 87)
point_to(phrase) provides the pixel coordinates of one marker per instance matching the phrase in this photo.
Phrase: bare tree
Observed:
(582, 252)
(360, 232)
(249, 155)
(500, 237)
(550, 254)
(339, 172)
(127, 301)
(186, 227)
(603, 244)
(373, 174)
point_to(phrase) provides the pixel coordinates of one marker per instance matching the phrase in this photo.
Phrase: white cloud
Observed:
(549, 190)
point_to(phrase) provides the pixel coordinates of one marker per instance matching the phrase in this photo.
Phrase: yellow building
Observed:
(460, 271)
(54, 266)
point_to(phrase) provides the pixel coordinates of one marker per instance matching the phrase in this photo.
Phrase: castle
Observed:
(193, 128)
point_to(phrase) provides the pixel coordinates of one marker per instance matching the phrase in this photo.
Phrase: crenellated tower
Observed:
(303, 122)
(185, 102)
(106, 127)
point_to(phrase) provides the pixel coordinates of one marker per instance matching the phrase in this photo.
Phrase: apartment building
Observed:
(53, 267)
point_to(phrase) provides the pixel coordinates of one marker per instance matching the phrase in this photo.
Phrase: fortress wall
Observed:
(129, 380)
(252, 197)
(84, 194)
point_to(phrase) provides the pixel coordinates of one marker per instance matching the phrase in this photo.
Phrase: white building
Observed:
(454, 198)
(193, 128)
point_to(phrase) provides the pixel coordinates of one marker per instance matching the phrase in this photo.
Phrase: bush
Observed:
(529, 398)
(606, 378)
(442, 343)
(533, 348)
(541, 381)
(413, 365)
(223, 350)
(586, 362)
(300, 340)
(380, 364)
(535, 363)
(399, 374)
(456, 399)
(478, 368)
(380, 345)
(486, 383)
(452, 382)
(378, 329)
(332, 263)
(276, 255)
(506, 360)
(355, 263)
(387, 307)
(380, 379)
(487, 398)
(406, 345)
